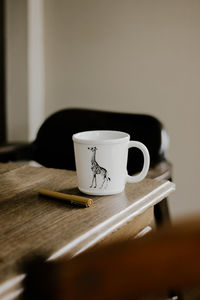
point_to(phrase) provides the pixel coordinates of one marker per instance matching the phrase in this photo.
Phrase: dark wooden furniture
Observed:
(53, 145)
(136, 269)
(32, 225)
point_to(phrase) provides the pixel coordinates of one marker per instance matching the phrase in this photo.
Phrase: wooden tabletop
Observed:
(31, 224)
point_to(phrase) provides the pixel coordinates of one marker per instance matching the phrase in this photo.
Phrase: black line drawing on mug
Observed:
(98, 170)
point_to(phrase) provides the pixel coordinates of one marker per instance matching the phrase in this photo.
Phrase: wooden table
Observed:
(31, 224)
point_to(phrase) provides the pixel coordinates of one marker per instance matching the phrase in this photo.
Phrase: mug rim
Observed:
(79, 137)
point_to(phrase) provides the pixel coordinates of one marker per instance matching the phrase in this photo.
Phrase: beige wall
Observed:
(24, 68)
(16, 69)
(136, 56)
(123, 55)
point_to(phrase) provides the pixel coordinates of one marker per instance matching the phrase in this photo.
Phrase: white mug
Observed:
(101, 161)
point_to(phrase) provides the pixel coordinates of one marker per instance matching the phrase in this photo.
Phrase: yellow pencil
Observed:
(71, 198)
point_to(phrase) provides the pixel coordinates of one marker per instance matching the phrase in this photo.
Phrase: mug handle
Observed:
(143, 173)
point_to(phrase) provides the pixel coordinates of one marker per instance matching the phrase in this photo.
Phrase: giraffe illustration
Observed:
(97, 170)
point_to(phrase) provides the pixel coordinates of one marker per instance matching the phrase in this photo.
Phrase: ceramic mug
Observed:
(101, 161)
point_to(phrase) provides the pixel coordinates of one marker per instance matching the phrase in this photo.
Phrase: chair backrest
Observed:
(53, 146)
(163, 261)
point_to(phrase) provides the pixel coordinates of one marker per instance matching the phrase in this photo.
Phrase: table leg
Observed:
(161, 213)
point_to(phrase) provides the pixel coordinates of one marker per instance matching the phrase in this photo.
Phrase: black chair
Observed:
(53, 146)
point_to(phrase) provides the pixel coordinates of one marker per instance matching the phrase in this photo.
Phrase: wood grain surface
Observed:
(31, 224)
